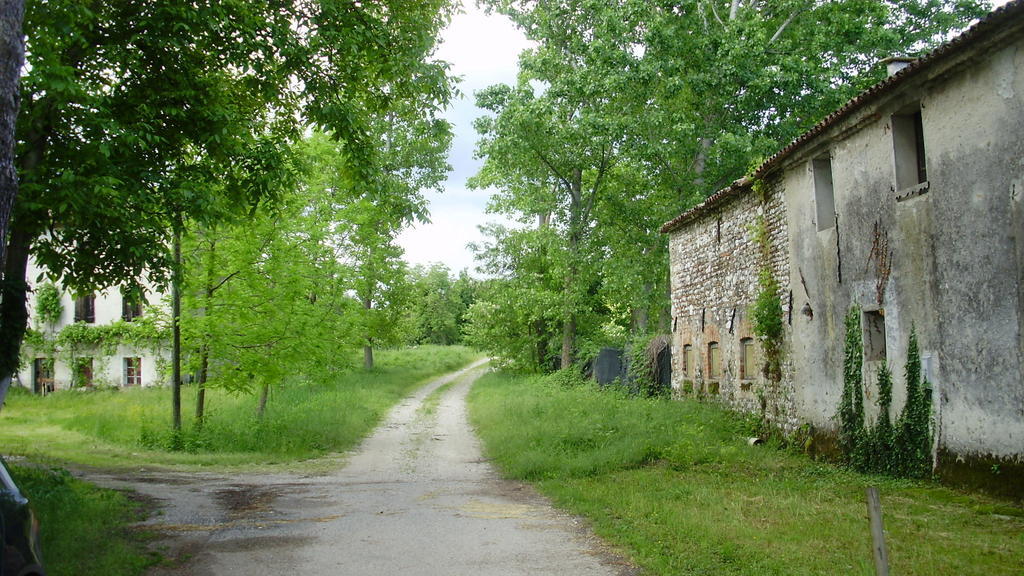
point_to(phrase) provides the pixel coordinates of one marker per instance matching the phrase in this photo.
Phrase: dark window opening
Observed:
(131, 307)
(824, 193)
(85, 308)
(873, 324)
(82, 375)
(908, 149)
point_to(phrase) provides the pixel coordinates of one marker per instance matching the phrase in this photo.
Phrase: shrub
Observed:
(901, 450)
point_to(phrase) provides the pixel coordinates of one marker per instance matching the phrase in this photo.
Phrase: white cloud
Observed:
(454, 224)
(484, 50)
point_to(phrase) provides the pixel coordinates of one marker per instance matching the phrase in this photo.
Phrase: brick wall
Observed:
(715, 260)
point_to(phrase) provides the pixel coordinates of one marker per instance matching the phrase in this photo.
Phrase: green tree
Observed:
(141, 117)
(438, 304)
(465, 291)
(372, 208)
(379, 276)
(266, 299)
(551, 155)
(628, 112)
(722, 83)
(515, 316)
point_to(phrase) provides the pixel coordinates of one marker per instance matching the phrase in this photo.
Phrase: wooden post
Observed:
(877, 533)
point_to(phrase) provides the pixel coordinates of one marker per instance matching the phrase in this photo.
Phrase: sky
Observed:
(483, 50)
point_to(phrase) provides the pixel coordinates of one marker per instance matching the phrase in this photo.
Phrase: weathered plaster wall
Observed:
(948, 262)
(715, 263)
(955, 254)
(975, 139)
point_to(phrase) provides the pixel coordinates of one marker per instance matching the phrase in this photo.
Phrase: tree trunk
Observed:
(261, 408)
(368, 348)
(176, 329)
(568, 339)
(541, 336)
(368, 357)
(204, 365)
(204, 350)
(700, 163)
(640, 320)
(13, 311)
(734, 9)
(641, 315)
(576, 228)
(12, 58)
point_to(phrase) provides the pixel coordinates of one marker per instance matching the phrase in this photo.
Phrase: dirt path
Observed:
(416, 498)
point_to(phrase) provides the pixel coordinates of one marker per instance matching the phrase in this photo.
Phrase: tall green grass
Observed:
(305, 418)
(82, 527)
(675, 484)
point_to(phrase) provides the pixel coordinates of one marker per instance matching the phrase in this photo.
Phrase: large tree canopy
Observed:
(627, 112)
(140, 117)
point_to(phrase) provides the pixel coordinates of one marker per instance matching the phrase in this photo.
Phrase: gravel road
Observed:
(417, 497)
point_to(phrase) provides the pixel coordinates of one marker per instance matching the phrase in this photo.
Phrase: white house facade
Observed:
(113, 338)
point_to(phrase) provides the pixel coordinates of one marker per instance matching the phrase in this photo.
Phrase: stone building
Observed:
(907, 203)
(112, 348)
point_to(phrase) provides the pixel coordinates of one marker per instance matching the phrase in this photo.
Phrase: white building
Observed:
(120, 339)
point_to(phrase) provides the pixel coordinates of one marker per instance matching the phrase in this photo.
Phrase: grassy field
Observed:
(83, 527)
(305, 419)
(675, 485)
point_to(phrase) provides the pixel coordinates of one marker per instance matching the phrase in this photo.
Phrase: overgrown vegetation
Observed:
(149, 332)
(766, 311)
(675, 485)
(48, 306)
(914, 435)
(83, 526)
(901, 450)
(110, 183)
(642, 354)
(308, 417)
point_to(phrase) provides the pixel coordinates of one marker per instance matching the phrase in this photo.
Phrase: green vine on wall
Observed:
(643, 353)
(79, 339)
(903, 449)
(766, 311)
(48, 306)
(145, 332)
(913, 433)
(851, 405)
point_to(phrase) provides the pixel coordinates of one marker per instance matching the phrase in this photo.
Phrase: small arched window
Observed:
(688, 366)
(748, 360)
(714, 361)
